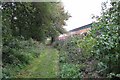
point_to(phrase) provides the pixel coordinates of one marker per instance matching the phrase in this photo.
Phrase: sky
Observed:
(81, 12)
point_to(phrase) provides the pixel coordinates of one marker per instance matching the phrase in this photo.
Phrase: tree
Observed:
(108, 42)
(22, 21)
(35, 20)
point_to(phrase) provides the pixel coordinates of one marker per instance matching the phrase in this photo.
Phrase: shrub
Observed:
(107, 48)
(86, 45)
(18, 53)
(74, 51)
(70, 71)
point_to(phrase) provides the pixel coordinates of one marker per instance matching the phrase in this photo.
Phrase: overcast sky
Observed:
(81, 11)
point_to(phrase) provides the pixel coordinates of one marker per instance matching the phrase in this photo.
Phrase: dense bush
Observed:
(100, 49)
(107, 48)
(86, 45)
(70, 48)
(18, 53)
(70, 71)
(75, 50)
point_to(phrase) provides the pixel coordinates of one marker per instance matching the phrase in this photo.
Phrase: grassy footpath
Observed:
(45, 66)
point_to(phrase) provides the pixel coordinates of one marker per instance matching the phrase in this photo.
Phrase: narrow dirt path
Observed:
(45, 66)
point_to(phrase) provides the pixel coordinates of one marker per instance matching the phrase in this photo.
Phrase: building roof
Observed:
(82, 27)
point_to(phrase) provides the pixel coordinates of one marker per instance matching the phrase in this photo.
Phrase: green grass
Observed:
(45, 66)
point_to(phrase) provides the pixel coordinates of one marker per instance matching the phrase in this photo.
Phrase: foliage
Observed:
(75, 50)
(23, 24)
(107, 48)
(34, 20)
(86, 45)
(19, 53)
(45, 66)
(69, 47)
(22, 21)
(70, 71)
(102, 44)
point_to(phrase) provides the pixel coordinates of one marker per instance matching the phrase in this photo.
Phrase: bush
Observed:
(107, 48)
(86, 45)
(18, 53)
(76, 50)
(70, 71)
(69, 49)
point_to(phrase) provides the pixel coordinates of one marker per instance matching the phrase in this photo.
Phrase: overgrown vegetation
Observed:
(45, 66)
(107, 49)
(25, 26)
(99, 52)
(75, 55)
(18, 54)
